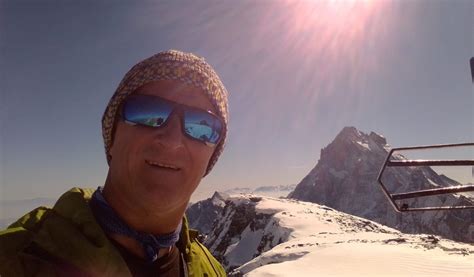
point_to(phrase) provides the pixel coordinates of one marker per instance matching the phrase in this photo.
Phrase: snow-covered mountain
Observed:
(345, 179)
(264, 236)
(201, 215)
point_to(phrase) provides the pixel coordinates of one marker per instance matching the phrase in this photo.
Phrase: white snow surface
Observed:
(326, 242)
(364, 145)
(357, 259)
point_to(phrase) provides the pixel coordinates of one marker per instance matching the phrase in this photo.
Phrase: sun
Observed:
(342, 35)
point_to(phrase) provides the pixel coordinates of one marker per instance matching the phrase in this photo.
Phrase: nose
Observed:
(170, 135)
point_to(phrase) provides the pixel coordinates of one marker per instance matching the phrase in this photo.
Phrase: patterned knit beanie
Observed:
(169, 65)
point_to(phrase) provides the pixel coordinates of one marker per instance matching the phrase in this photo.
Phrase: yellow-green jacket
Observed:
(67, 241)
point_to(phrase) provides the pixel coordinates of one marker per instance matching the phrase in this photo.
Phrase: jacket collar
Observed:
(99, 256)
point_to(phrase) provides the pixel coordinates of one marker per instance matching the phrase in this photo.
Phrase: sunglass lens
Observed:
(148, 111)
(202, 126)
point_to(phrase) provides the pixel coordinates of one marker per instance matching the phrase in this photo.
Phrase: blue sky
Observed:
(297, 73)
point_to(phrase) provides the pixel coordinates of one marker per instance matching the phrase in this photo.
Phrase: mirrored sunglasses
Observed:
(153, 111)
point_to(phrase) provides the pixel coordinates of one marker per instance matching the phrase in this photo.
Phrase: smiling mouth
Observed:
(162, 165)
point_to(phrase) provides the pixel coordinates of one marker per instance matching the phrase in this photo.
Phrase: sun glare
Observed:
(340, 34)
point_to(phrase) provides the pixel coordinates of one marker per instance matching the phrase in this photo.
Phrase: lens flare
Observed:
(339, 37)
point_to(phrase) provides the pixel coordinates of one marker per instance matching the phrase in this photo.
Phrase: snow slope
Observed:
(284, 237)
(359, 259)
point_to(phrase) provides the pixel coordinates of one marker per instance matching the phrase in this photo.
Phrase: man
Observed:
(163, 129)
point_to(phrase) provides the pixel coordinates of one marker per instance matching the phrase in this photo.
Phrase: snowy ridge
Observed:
(264, 236)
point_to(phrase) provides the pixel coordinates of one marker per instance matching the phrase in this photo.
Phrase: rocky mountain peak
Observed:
(379, 139)
(201, 215)
(345, 178)
(348, 132)
(352, 137)
(350, 148)
(219, 198)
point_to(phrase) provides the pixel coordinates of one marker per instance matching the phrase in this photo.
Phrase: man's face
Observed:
(141, 156)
